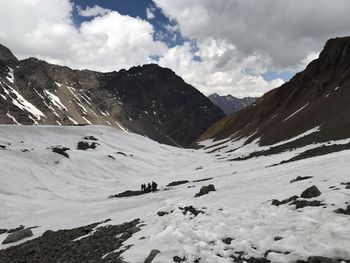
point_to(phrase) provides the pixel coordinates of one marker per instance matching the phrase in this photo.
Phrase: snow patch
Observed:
(290, 116)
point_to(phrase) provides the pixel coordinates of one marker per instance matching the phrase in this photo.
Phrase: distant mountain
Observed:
(317, 99)
(148, 100)
(230, 104)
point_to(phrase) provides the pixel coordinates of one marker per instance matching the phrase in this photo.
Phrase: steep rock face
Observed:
(148, 100)
(230, 104)
(317, 97)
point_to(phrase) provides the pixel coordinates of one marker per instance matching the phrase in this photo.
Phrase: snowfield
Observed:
(46, 189)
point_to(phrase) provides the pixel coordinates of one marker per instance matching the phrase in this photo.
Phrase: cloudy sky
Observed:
(242, 47)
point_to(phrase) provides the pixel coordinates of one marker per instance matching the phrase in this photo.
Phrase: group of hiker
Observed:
(150, 187)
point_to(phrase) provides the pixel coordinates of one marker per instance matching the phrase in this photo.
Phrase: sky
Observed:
(238, 47)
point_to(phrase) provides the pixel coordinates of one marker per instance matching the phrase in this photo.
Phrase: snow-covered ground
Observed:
(45, 189)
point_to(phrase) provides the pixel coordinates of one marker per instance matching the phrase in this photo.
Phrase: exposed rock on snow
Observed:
(86, 145)
(205, 190)
(311, 192)
(152, 255)
(91, 243)
(61, 150)
(343, 211)
(175, 183)
(17, 236)
(300, 178)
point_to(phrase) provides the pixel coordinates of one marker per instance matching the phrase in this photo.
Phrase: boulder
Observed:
(152, 255)
(205, 190)
(17, 236)
(311, 192)
(162, 213)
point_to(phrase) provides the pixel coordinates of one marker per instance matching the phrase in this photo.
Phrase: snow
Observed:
(72, 120)
(87, 121)
(290, 116)
(10, 77)
(311, 131)
(121, 127)
(55, 100)
(12, 118)
(36, 190)
(21, 102)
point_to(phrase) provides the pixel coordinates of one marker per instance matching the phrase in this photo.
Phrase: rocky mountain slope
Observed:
(55, 205)
(230, 104)
(317, 98)
(148, 100)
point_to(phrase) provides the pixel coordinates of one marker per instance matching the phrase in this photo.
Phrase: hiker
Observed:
(149, 187)
(143, 187)
(154, 186)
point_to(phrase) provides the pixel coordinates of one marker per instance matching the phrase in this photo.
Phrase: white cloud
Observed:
(209, 77)
(93, 11)
(45, 29)
(150, 13)
(282, 33)
(233, 36)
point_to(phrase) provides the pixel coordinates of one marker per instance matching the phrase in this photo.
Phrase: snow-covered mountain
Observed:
(148, 100)
(230, 104)
(49, 182)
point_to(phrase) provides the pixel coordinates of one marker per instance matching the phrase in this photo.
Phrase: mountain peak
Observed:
(335, 54)
(7, 57)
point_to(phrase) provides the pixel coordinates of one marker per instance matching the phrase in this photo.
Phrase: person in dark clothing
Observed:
(154, 186)
(143, 187)
(149, 187)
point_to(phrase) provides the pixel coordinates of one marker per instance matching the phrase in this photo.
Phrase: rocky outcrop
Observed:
(17, 236)
(205, 190)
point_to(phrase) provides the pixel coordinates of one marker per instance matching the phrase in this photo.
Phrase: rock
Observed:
(191, 209)
(2, 231)
(128, 193)
(304, 203)
(86, 145)
(17, 236)
(275, 202)
(343, 211)
(61, 150)
(276, 238)
(311, 192)
(21, 227)
(300, 178)
(284, 201)
(91, 138)
(152, 255)
(178, 183)
(178, 259)
(162, 213)
(202, 180)
(133, 230)
(227, 240)
(205, 190)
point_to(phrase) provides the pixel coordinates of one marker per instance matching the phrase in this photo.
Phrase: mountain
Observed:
(148, 100)
(57, 192)
(230, 104)
(315, 103)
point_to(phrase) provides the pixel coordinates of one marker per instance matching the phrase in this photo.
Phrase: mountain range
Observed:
(230, 104)
(148, 100)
